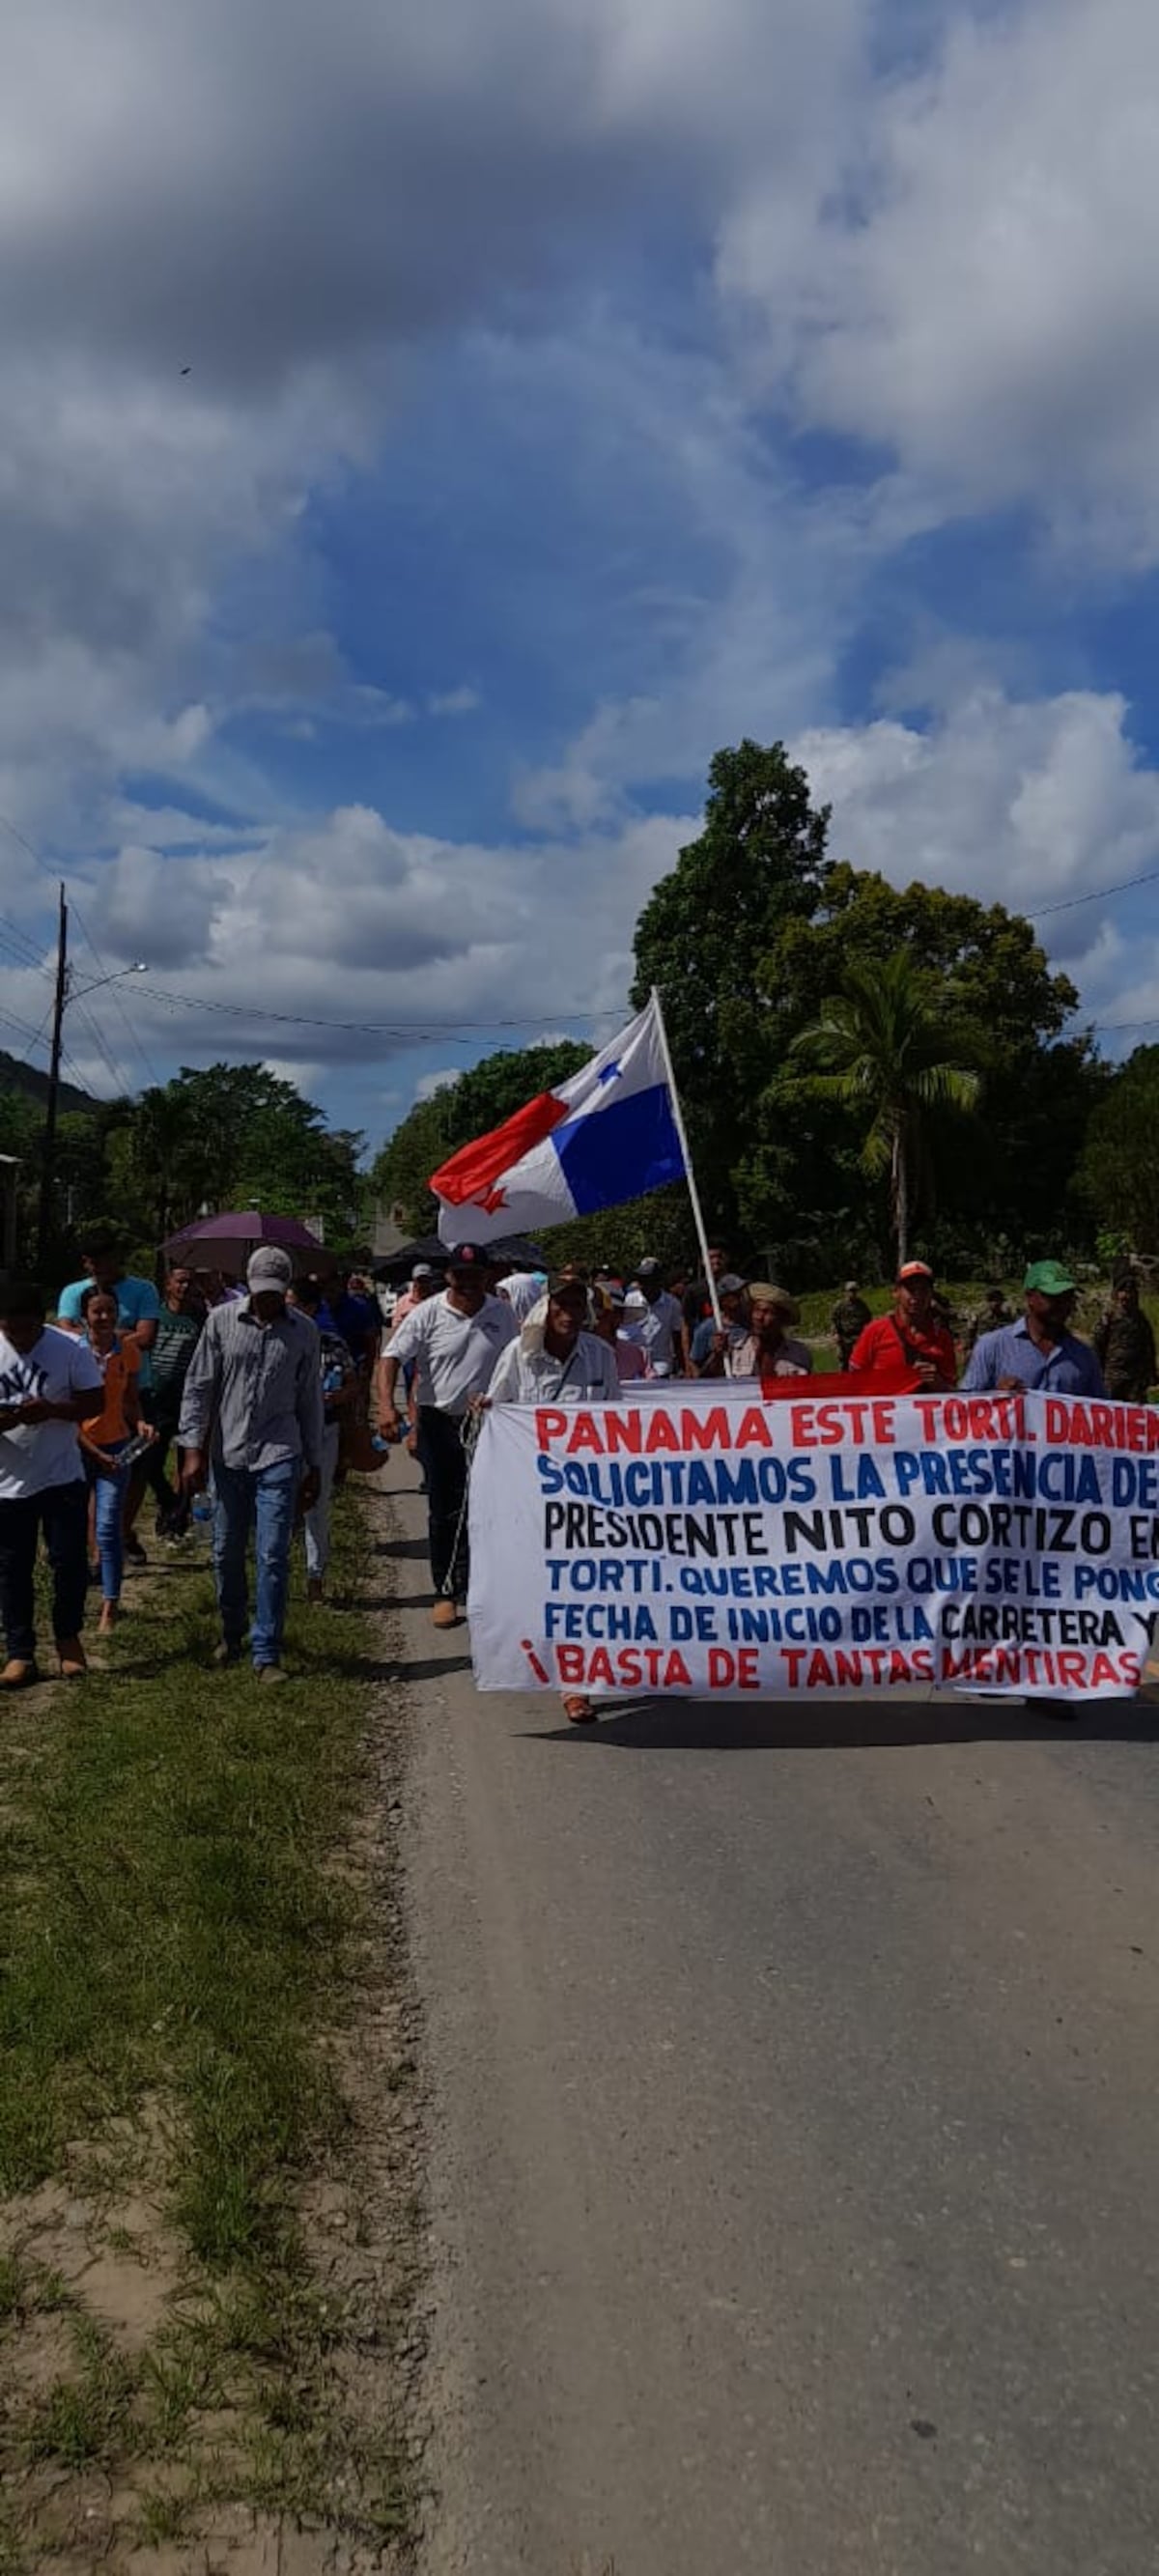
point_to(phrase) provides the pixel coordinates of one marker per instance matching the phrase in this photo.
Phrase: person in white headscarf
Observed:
(523, 1290)
(556, 1360)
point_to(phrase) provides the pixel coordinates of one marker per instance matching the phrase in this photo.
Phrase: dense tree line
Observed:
(227, 1135)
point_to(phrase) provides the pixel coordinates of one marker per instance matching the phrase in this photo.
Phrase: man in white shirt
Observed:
(49, 1382)
(455, 1338)
(659, 1330)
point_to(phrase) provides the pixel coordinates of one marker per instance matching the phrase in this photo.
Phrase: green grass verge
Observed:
(177, 1947)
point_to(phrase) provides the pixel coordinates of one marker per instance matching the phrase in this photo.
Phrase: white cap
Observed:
(269, 1267)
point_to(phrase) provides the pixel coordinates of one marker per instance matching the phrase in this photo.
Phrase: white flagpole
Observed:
(689, 1174)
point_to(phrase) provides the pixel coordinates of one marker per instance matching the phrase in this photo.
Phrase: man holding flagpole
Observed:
(456, 1339)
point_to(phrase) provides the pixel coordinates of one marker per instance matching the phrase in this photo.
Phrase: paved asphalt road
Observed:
(794, 2130)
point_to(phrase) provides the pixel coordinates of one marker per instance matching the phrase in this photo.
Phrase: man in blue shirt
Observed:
(734, 1307)
(138, 1304)
(1038, 1351)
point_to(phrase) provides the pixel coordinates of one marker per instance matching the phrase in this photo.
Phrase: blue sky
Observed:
(572, 387)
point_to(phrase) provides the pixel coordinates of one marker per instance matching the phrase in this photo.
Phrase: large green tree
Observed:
(885, 1049)
(746, 937)
(235, 1136)
(704, 936)
(1012, 1176)
(1118, 1174)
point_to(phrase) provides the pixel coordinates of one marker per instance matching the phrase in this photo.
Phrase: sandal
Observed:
(19, 1673)
(580, 1711)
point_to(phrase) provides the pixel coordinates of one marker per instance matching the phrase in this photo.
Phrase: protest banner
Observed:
(704, 1540)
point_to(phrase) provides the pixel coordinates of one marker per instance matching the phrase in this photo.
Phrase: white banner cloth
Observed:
(704, 1540)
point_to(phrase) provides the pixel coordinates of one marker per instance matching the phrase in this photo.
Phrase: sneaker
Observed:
(269, 1673)
(73, 1661)
(445, 1615)
(226, 1653)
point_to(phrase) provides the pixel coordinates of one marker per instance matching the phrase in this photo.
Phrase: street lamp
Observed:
(66, 992)
(76, 992)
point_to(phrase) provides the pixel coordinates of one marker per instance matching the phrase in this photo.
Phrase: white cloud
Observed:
(454, 702)
(443, 1080)
(971, 280)
(1021, 802)
(951, 259)
(371, 941)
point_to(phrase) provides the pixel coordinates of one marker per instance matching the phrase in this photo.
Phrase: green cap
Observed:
(1050, 1279)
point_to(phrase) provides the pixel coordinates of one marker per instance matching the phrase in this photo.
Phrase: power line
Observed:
(1099, 894)
(8, 826)
(116, 1071)
(21, 947)
(39, 1034)
(24, 954)
(377, 1028)
(117, 997)
(417, 1031)
(9, 1021)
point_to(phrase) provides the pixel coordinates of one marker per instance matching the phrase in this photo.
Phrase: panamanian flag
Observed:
(607, 1135)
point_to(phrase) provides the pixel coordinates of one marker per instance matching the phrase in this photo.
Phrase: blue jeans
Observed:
(241, 1497)
(109, 1511)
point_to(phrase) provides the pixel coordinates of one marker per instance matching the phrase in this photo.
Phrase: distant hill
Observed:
(15, 1076)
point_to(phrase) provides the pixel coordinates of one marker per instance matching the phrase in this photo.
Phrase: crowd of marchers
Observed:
(259, 1391)
(218, 1398)
(524, 1338)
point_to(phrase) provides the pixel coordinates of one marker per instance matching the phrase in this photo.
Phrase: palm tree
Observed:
(887, 1045)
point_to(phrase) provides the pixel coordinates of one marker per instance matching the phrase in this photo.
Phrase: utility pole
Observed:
(48, 1168)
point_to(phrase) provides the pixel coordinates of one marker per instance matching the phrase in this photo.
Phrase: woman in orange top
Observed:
(106, 1435)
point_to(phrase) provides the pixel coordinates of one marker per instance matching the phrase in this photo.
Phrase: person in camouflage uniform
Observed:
(849, 1318)
(987, 1317)
(1126, 1345)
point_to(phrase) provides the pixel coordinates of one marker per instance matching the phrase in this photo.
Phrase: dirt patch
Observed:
(37, 2356)
(140, 2398)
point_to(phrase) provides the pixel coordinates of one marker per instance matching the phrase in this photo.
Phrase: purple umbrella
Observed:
(226, 1242)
